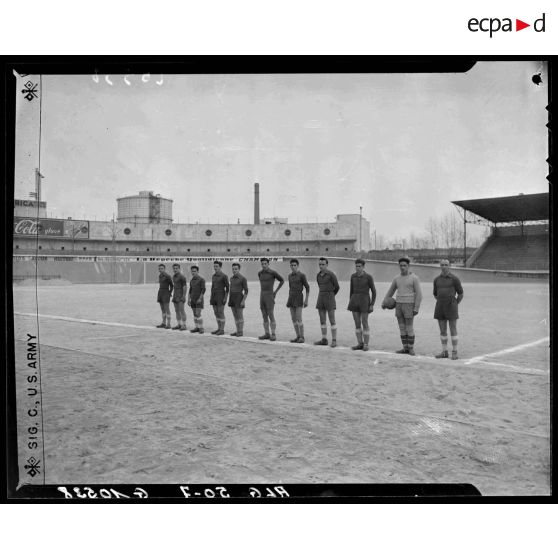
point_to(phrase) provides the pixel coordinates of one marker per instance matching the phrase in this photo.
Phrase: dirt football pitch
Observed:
(124, 402)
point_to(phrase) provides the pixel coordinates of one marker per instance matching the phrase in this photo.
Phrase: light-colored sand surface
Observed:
(138, 405)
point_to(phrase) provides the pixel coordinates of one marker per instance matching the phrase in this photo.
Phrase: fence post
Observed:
(464, 238)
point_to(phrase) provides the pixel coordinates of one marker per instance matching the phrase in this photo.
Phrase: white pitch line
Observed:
(508, 350)
(113, 337)
(243, 339)
(306, 346)
(95, 322)
(518, 369)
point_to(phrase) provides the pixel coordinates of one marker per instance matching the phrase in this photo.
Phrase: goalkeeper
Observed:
(407, 304)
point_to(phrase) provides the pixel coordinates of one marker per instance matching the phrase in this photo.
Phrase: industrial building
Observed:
(144, 226)
(30, 208)
(145, 208)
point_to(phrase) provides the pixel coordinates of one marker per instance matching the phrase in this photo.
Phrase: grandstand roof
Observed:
(528, 207)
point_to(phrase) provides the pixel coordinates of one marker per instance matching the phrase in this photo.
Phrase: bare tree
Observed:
(381, 242)
(444, 232)
(433, 231)
(452, 233)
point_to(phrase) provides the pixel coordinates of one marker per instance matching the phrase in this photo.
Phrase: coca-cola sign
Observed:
(42, 227)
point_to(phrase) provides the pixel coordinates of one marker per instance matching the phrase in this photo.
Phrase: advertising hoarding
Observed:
(27, 226)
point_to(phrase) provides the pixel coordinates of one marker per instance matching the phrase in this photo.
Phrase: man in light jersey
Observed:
(407, 304)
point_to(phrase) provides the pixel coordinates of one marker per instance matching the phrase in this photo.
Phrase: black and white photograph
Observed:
(274, 277)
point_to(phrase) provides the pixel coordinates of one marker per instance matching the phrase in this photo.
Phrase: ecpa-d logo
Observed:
(493, 25)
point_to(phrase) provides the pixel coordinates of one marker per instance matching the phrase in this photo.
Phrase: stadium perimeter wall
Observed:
(147, 272)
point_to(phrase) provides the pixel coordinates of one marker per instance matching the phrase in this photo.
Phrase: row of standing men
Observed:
(447, 291)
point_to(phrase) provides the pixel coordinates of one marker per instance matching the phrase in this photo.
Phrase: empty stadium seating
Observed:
(513, 252)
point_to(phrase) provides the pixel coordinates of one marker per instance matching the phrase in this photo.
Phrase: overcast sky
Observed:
(402, 146)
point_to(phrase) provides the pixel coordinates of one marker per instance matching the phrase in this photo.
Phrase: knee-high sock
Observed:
(403, 333)
(334, 332)
(301, 329)
(366, 336)
(444, 340)
(273, 325)
(454, 340)
(410, 335)
(266, 327)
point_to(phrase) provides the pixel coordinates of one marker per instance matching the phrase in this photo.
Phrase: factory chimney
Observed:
(256, 204)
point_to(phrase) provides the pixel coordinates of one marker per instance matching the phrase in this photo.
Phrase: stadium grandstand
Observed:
(519, 240)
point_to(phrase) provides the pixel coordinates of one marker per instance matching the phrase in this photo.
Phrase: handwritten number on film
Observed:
(221, 491)
(106, 493)
(128, 78)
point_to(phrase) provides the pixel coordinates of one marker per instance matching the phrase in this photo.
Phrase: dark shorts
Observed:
(163, 297)
(235, 299)
(359, 302)
(216, 298)
(178, 304)
(326, 301)
(194, 296)
(295, 300)
(446, 309)
(404, 310)
(267, 302)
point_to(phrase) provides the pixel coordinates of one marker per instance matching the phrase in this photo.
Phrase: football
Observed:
(389, 303)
